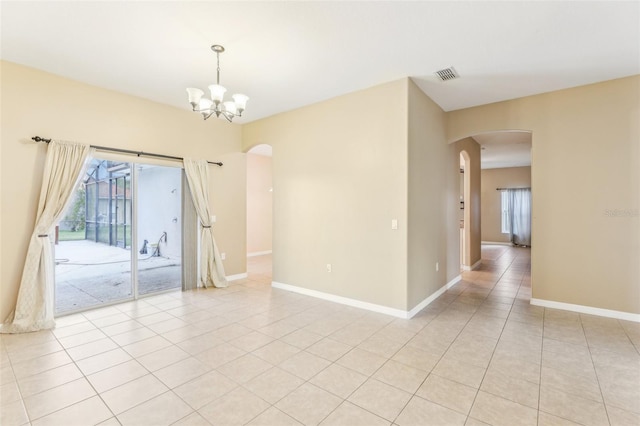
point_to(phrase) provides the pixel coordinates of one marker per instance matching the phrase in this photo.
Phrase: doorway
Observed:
(120, 237)
(259, 212)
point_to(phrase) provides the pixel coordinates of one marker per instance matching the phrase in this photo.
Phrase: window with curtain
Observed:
(516, 216)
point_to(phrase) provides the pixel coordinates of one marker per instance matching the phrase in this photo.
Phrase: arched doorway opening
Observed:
(259, 212)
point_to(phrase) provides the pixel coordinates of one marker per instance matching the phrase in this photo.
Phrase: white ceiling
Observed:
(285, 55)
(504, 149)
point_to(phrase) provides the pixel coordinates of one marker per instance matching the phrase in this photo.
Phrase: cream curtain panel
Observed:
(211, 268)
(65, 164)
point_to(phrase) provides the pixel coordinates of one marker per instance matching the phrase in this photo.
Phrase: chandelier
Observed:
(216, 105)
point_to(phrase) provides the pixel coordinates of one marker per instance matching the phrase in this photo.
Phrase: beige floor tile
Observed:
(278, 329)
(133, 336)
(244, 368)
(304, 365)
(623, 392)
(416, 358)
(162, 410)
(49, 379)
(38, 365)
(81, 338)
(546, 419)
(181, 372)
(34, 351)
(381, 345)
(273, 385)
(9, 392)
(231, 332)
(272, 416)
(162, 358)
(220, 355)
(146, 346)
(237, 407)
(168, 325)
(276, 352)
(572, 407)
(199, 344)
(90, 349)
(13, 413)
(193, 419)
(514, 366)
(329, 349)
(511, 388)
(70, 330)
(301, 339)
(54, 399)
(420, 412)
(584, 387)
(115, 376)
(619, 417)
(204, 389)
(102, 361)
(309, 404)
(154, 318)
(473, 422)
(121, 327)
(91, 411)
(6, 375)
(110, 320)
(460, 372)
(348, 414)
(401, 376)
(132, 393)
(447, 393)
(499, 411)
(380, 398)
(338, 380)
(362, 361)
(251, 341)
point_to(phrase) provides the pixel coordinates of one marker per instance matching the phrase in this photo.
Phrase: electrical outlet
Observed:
(223, 256)
(328, 267)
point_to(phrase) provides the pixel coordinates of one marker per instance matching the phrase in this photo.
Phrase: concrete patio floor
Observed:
(90, 274)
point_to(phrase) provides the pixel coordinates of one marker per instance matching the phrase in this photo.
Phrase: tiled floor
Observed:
(250, 354)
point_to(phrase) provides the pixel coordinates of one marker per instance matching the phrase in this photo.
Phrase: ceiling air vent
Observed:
(447, 74)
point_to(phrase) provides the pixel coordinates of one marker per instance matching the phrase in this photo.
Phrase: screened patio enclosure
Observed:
(108, 203)
(121, 235)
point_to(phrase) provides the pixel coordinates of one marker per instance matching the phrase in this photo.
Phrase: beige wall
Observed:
(38, 103)
(507, 177)
(339, 178)
(471, 213)
(586, 188)
(259, 203)
(427, 238)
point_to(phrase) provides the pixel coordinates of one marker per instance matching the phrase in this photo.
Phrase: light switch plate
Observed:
(394, 223)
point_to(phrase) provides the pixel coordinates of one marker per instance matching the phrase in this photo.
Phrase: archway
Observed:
(259, 211)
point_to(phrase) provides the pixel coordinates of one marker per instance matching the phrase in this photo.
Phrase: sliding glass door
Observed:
(159, 228)
(120, 236)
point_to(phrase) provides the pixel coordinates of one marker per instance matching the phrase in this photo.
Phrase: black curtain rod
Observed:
(504, 189)
(128, 151)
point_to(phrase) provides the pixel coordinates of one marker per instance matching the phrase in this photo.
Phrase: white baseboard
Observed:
(472, 267)
(497, 243)
(259, 253)
(236, 277)
(398, 313)
(426, 302)
(627, 316)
